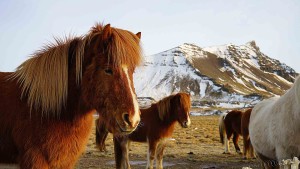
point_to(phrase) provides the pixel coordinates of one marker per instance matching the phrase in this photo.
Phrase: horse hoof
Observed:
(226, 152)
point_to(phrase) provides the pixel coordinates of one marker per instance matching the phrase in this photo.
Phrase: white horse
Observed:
(275, 127)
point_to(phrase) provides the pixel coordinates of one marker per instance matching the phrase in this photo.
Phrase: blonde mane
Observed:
(164, 105)
(44, 77)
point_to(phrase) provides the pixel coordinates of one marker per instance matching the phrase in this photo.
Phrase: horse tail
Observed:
(222, 128)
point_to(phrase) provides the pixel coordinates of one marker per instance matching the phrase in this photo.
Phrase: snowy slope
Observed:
(169, 72)
(224, 73)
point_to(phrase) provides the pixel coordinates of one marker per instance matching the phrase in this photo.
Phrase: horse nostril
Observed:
(186, 124)
(126, 118)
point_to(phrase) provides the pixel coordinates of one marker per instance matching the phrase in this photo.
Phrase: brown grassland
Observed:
(195, 147)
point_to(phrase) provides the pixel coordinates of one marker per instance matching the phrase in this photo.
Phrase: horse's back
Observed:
(151, 126)
(233, 119)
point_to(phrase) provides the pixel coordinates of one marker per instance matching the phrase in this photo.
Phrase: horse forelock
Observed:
(43, 78)
(122, 47)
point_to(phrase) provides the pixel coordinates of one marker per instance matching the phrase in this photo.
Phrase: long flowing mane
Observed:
(43, 78)
(164, 105)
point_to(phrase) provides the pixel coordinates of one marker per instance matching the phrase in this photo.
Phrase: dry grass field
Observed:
(195, 147)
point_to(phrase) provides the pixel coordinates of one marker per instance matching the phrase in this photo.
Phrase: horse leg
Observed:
(128, 145)
(235, 142)
(227, 150)
(227, 138)
(151, 153)
(267, 163)
(125, 154)
(246, 141)
(251, 150)
(33, 159)
(159, 155)
(101, 135)
(121, 152)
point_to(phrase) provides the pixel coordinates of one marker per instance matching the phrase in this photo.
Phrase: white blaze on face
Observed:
(136, 117)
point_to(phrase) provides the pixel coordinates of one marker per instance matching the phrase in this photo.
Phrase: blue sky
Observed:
(25, 26)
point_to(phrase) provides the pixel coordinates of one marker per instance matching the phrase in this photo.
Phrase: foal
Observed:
(236, 123)
(157, 124)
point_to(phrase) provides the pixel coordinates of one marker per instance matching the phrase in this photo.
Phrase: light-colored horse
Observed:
(275, 127)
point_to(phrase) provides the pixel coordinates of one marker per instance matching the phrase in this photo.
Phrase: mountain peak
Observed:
(222, 72)
(253, 45)
(189, 46)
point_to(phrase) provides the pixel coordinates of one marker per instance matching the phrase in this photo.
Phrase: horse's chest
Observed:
(62, 143)
(164, 132)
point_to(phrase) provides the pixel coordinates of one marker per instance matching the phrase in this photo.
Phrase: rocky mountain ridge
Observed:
(220, 73)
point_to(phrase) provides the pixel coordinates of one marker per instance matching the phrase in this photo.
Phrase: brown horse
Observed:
(47, 105)
(236, 123)
(157, 124)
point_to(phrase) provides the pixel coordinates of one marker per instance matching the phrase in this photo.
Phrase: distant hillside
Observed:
(221, 73)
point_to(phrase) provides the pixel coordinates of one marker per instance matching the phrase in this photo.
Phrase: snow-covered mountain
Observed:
(224, 73)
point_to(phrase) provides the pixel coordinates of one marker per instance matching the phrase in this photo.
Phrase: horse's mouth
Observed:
(125, 130)
(183, 125)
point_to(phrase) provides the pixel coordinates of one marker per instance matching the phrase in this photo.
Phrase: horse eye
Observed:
(109, 71)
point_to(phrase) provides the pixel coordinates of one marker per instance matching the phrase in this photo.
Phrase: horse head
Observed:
(110, 58)
(183, 109)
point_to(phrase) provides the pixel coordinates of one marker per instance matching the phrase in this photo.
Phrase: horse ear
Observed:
(106, 33)
(139, 35)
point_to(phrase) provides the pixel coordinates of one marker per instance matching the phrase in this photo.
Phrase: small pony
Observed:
(47, 105)
(157, 124)
(275, 129)
(236, 123)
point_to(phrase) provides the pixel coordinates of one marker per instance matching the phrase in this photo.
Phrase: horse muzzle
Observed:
(128, 123)
(186, 124)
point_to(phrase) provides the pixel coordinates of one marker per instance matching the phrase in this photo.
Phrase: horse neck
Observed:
(290, 102)
(14, 92)
(151, 120)
(74, 107)
(75, 103)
